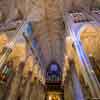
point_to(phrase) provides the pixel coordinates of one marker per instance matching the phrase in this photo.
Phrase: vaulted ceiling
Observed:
(47, 20)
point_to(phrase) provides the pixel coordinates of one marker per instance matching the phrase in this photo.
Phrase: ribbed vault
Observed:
(47, 22)
(49, 31)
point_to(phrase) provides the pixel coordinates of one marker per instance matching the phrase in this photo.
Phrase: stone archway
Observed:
(89, 37)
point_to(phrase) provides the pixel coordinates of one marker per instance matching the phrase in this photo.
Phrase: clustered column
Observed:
(13, 92)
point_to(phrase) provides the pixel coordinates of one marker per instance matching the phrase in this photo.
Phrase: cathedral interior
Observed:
(49, 50)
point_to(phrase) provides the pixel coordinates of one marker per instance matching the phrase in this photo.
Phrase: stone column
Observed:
(41, 92)
(37, 91)
(95, 66)
(68, 90)
(13, 93)
(27, 89)
(78, 94)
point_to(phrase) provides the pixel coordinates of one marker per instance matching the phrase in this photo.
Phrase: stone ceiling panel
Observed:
(56, 26)
(36, 8)
(39, 29)
(53, 9)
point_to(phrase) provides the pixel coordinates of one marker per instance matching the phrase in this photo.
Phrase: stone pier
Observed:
(38, 92)
(14, 91)
(68, 89)
(27, 90)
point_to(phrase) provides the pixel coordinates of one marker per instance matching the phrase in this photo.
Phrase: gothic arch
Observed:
(90, 36)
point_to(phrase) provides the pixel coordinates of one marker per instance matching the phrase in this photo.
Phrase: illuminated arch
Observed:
(90, 38)
(53, 72)
(87, 28)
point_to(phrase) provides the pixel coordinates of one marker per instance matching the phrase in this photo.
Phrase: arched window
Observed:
(53, 72)
(54, 67)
